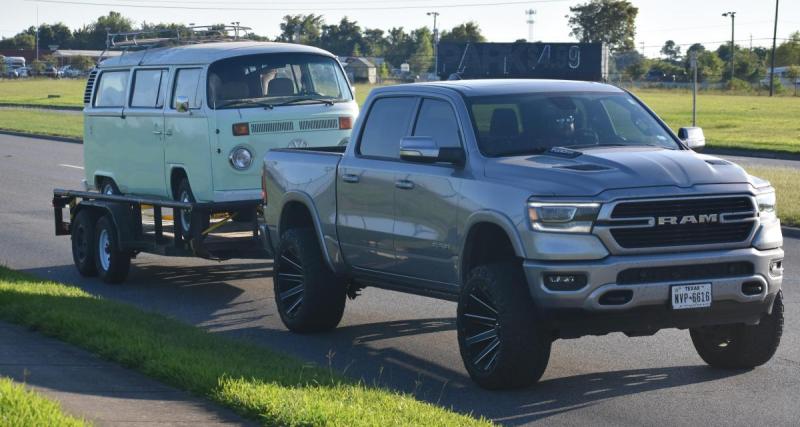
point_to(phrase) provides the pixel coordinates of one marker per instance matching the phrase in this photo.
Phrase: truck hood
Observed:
(590, 172)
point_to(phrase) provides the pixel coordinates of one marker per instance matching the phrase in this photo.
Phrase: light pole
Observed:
(772, 61)
(236, 29)
(435, 42)
(733, 19)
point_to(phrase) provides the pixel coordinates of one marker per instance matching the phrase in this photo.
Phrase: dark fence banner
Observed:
(569, 61)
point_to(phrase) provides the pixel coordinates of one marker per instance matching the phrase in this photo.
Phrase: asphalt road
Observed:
(406, 342)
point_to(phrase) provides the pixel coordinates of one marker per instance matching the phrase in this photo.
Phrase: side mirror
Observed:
(423, 149)
(182, 104)
(693, 137)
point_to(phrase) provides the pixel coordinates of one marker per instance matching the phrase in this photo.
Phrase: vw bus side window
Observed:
(112, 88)
(148, 88)
(187, 83)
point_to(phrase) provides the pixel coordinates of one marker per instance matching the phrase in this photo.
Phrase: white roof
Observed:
(206, 53)
(63, 53)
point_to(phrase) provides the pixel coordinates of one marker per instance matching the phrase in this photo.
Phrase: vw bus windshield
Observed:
(270, 80)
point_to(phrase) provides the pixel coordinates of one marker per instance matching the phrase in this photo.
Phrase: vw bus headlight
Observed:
(563, 217)
(241, 158)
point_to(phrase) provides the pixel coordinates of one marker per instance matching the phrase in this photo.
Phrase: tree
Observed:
(340, 39)
(793, 73)
(608, 21)
(82, 63)
(37, 67)
(708, 65)
(57, 34)
(3, 66)
(672, 72)
(696, 47)
(422, 60)
(467, 32)
(373, 42)
(305, 29)
(383, 71)
(21, 41)
(788, 52)
(400, 46)
(671, 51)
(637, 70)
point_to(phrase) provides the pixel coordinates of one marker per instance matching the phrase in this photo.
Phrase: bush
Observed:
(738, 85)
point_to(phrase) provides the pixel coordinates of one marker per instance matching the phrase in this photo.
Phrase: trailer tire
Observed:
(112, 263)
(83, 247)
(309, 296)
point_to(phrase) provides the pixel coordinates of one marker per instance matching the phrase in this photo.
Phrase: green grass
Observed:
(36, 91)
(22, 407)
(785, 181)
(257, 382)
(41, 122)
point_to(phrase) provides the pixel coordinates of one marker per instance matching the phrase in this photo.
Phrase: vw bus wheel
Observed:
(108, 187)
(184, 220)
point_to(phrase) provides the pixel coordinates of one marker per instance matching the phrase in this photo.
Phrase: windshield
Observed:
(527, 124)
(274, 79)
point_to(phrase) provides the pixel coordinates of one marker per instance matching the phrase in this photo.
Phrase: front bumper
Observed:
(649, 304)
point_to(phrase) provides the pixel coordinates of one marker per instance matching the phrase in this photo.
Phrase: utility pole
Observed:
(733, 19)
(531, 13)
(37, 32)
(643, 48)
(693, 62)
(772, 61)
(435, 42)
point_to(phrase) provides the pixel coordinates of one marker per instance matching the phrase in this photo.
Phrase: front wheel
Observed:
(741, 346)
(183, 193)
(112, 263)
(309, 296)
(502, 344)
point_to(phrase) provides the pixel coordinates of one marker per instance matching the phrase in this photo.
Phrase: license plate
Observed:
(691, 296)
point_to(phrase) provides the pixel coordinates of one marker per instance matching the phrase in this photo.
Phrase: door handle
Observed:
(350, 177)
(168, 132)
(404, 184)
(156, 132)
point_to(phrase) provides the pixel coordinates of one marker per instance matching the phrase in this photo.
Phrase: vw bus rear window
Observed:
(270, 80)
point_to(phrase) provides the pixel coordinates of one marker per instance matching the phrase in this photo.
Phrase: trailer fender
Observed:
(122, 216)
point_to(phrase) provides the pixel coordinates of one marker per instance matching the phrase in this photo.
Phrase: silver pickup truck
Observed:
(547, 209)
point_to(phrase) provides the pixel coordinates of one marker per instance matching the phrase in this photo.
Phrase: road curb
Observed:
(762, 154)
(40, 136)
(40, 107)
(793, 232)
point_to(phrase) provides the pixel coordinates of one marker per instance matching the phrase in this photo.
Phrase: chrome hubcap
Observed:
(291, 283)
(481, 328)
(104, 250)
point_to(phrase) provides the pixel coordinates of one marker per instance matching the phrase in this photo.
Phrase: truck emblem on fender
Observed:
(688, 219)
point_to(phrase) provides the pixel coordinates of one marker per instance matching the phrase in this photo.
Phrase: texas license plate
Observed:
(691, 296)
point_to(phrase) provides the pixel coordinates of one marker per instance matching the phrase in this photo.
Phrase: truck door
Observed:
(426, 202)
(145, 134)
(366, 185)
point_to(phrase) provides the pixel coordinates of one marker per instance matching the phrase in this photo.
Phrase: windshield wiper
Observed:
(325, 101)
(241, 102)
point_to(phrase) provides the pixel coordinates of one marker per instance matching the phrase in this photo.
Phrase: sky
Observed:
(684, 21)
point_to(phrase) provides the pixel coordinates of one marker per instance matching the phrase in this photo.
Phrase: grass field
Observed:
(22, 407)
(41, 122)
(36, 91)
(729, 121)
(257, 382)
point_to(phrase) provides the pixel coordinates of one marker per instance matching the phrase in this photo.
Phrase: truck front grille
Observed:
(684, 273)
(682, 222)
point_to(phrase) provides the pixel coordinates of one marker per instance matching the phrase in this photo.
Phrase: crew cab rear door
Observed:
(366, 185)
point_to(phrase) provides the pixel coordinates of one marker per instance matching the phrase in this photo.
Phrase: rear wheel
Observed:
(309, 296)
(112, 263)
(741, 346)
(501, 344)
(83, 247)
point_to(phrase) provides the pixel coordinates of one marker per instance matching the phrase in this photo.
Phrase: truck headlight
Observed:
(563, 217)
(240, 158)
(766, 205)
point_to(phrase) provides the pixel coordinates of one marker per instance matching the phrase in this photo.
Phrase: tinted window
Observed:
(387, 122)
(148, 91)
(111, 90)
(187, 83)
(437, 120)
(518, 124)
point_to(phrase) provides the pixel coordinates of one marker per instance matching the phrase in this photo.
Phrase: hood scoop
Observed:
(584, 167)
(718, 162)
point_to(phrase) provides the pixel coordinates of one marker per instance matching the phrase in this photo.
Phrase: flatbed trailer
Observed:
(109, 230)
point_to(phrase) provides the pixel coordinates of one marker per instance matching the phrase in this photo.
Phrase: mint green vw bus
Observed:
(191, 122)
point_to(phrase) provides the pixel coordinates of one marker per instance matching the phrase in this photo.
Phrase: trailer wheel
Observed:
(183, 193)
(83, 247)
(111, 262)
(308, 295)
(502, 344)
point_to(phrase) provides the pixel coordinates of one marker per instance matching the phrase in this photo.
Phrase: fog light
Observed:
(776, 268)
(564, 281)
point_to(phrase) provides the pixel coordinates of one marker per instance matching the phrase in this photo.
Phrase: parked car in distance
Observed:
(189, 122)
(546, 209)
(11, 73)
(69, 72)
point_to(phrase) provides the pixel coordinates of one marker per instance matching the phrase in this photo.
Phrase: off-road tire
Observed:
(115, 266)
(83, 244)
(309, 296)
(741, 346)
(508, 322)
(183, 192)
